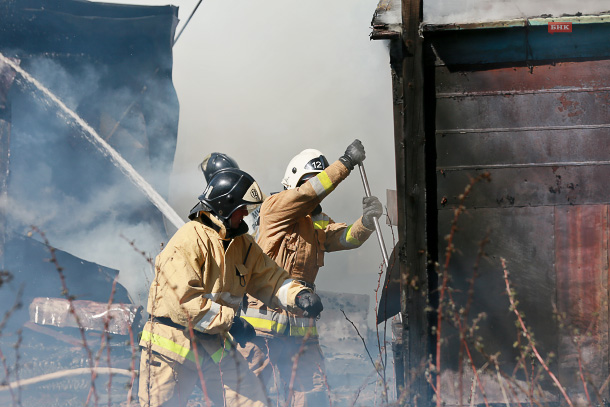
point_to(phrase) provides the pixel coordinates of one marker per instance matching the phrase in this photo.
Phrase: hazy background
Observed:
(262, 81)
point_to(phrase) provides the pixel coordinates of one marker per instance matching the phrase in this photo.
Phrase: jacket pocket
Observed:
(288, 249)
(320, 240)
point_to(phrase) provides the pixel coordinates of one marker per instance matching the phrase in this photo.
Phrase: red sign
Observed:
(560, 28)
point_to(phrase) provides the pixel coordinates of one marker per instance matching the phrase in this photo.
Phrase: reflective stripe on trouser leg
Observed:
(303, 326)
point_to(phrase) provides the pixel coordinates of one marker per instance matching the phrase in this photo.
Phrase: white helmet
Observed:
(308, 161)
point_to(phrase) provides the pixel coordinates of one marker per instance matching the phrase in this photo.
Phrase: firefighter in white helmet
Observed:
(296, 233)
(201, 277)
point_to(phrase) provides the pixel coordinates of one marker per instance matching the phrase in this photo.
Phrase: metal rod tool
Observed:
(367, 192)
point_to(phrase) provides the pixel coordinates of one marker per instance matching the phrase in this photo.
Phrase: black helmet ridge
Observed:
(215, 162)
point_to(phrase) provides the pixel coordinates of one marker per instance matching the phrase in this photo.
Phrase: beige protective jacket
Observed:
(297, 241)
(199, 284)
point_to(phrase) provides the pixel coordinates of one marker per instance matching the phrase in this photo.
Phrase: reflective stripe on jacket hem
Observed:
(266, 320)
(179, 350)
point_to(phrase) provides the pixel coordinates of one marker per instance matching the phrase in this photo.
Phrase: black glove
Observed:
(354, 155)
(242, 331)
(310, 303)
(371, 210)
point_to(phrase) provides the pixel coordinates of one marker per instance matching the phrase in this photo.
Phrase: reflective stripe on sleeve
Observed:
(320, 221)
(347, 240)
(303, 326)
(227, 297)
(302, 331)
(322, 184)
(282, 293)
(207, 319)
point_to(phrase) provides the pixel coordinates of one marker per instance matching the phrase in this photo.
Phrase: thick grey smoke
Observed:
(470, 11)
(285, 76)
(67, 188)
(262, 81)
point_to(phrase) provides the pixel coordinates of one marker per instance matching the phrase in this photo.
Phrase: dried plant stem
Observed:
(71, 309)
(501, 383)
(445, 279)
(134, 372)
(529, 338)
(295, 365)
(276, 379)
(5, 319)
(377, 369)
(10, 386)
(325, 380)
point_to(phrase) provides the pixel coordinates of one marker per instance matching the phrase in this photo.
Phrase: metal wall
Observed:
(541, 130)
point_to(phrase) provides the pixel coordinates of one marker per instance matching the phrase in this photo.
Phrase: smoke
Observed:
(262, 81)
(62, 184)
(470, 11)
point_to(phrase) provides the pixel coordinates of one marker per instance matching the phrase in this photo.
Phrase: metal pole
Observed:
(367, 192)
(187, 21)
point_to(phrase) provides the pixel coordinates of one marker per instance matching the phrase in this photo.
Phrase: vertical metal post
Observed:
(413, 263)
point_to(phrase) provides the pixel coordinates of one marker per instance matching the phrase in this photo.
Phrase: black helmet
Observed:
(215, 162)
(228, 190)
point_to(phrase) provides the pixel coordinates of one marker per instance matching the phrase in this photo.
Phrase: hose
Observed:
(67, 373)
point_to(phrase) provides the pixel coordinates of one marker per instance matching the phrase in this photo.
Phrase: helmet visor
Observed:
(317, 164)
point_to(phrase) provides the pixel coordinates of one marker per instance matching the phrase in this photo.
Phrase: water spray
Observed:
(106, 149)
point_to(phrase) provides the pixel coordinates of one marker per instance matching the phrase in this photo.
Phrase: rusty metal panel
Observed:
(512, 112)
(556, 77)
(527, 186)
(542, 133)
(523, 148)
(581, 266)
(524, 236)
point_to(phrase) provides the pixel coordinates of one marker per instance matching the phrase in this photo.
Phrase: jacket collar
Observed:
(210, 220)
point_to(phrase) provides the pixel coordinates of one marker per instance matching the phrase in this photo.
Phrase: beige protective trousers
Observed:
(278, 359)
(165, 382)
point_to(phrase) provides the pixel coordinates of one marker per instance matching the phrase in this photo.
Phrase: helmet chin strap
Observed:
(225, 231)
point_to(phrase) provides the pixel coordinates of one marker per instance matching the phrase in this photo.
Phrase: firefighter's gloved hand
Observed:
(310, 303)
(242, 331)
(371, 210)
(354, 155)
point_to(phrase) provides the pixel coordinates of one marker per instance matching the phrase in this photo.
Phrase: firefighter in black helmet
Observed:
(215, 162)
(201, 277)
